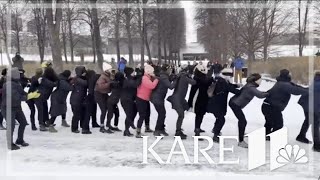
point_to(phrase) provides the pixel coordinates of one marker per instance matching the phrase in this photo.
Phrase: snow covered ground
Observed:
(68, 154)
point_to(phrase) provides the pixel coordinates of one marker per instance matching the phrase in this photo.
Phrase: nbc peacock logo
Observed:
(292, 155)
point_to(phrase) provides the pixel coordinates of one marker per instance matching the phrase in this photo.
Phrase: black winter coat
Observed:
(129, 89)
(219, 102)
(159, 93)
(248, 92)
(280, 93)
(80, 87)
(2, 81)
(17, 94)
(45, 88)
(59, 97)
(116, 88)
(304, 99)
(177, 99)
(201, 102)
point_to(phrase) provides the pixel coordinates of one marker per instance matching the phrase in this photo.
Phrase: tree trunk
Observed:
(265, 35)
(96, 32)
(165, 50)
(117, 38)
(142, 34)
(148, 47)
(69, 13)
(93, 46)
(17, 28)
(159, 36)
(54, 32)
(64, 42)
(128, 28)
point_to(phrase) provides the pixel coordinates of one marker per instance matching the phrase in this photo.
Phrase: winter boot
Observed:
(115, 129)
(316, 147)
(243, 144)
(109, 131)
(127, 133)
(95, 125)
(163, 132)
(43, 128)
(102, 129)
(14, 147)
(138, 135)
(215, 139)
(47, 123)
(22, 143)
(64, 123)
(267, 138)
(180, 133)
(157, 133)
(148, 130)
(197, 133)
(2, 128)
(52, 129)
(76, 131)
(303, 139)
(133, 126)
(202, 131)
(86, 132)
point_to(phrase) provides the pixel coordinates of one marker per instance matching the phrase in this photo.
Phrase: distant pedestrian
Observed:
(238, 66)
(17, 61)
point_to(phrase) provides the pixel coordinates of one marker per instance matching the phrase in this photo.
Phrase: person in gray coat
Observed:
(238, 102)
(58, 100)
(157, 98)
(17, 61)
(177, 99)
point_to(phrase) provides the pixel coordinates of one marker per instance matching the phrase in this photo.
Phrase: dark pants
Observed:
(43, 113)
(161, 116)
(1, 119)
(32, 108)
(274, 119)
(16, 114)
(130, 109)
(315, 127)
(79, 112)
(192, 93)
(242, 122)
(112, 109)
(180, 111)
(144, 112)
(102, 99)
(218, 125)
(53, 118)
(198, 121)
(91, 109)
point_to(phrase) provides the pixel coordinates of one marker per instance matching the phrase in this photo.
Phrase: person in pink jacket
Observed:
(148, 83)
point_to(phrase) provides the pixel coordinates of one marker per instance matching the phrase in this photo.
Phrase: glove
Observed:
(33, 95)
(40, 80)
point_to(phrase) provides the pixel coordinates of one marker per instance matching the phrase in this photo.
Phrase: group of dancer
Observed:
(135, 88)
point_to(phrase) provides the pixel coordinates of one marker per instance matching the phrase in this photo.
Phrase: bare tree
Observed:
(3, 25)
(41, 30)
(302, 26)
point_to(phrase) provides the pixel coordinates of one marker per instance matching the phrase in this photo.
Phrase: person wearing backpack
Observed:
(177, 99)
(158, 96)
(238, 102)
(218, 102)
(238, 66)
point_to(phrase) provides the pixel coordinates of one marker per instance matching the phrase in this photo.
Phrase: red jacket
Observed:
(145, 89)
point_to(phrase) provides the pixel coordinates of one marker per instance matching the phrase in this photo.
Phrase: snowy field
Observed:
(68, 154)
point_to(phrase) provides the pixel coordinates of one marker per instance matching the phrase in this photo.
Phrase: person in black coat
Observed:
(58, 100)
(116, 90)
(2, 81)
(77, 98)
(304, 102)
(218, 103)
(158, 96)
(128, 96)
(91, 104)
(47, 82)
(177, 99)
(31, 103)
(216, 68)
(238, 102)
(278, 99)
(201, 98)
(17, 95)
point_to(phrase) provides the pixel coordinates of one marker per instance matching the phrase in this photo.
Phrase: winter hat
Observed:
(66, 73)
(284, 75)
(4, 72)
(128, 71)
(202, 68)
(14, 74)
(148, 69)
(253, 78)
(39, 72)
(106, 67)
